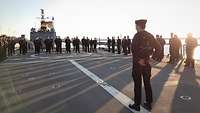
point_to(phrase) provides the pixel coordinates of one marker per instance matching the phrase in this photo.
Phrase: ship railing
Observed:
(102, 44)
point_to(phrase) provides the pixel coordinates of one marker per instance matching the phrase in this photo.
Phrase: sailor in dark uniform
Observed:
(91, 45)
(77, 44)
(60, 45)
(108, 44)
(156, 54)
(74, 44)
(83, 42)
(174, 48)
(124, 45)
(47, 45)
(129, 44)
(23, 45)
(177, 48)
(119, 43)
(171, 49)
(11, 46)
(162, 43)
(87, 45)
(51, 44)
(38, 44)
(113, 44)
(68, 45)
(58, 42)
(191, 44)
(142, 47)
(95, 45)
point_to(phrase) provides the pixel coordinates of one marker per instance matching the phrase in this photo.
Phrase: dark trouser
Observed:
(20, 50)
(172, 55)
(129, 49)
(10, 51)
(119, 49)
(68, 49)
(137, 73)
(85, 48)
(37, 49)
(74, 47)
(189, 59)
(48, 49)
(108, 48)
(113, 49)
(24, 50)
(13, 50)
(77, 49)
(177, 54)
(125, 50)
(91, 48)
(95, 48)
(60, 49)
(57, 49)
(88, 48)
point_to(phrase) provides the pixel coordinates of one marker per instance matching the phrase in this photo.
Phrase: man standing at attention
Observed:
(143, 45)
(191, 44)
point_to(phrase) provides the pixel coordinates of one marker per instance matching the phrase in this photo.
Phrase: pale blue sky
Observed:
(102, 17)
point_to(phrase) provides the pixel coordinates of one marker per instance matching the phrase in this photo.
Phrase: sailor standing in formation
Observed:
(191, 44)
(11, 46)
(58, 43)
(124, 45)
(159, 55)
(113, 44)
(87, 45)
(68, 45)
(119, 42)
(142, 47)
(108, 44)
(129, 44)
(48, 45)
(95, 45)
(77, 45)
(23, 45)
(83, 42)
(38, 45)
(174, 48)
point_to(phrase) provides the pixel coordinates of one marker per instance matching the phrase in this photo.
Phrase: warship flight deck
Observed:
(92, 83)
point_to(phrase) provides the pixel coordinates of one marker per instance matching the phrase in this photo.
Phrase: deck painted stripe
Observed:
(122, 98)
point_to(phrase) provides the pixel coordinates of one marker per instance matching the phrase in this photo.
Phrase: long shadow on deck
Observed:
(188, 86)
(161, 78)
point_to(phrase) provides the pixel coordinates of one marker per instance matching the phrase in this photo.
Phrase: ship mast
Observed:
(46, 25)
(46, 29)
(42, 22)
(42, 14)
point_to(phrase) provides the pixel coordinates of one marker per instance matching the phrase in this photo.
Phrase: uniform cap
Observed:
(141, 22)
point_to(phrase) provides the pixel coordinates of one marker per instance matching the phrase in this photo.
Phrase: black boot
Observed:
(147, 106)
(134, 106)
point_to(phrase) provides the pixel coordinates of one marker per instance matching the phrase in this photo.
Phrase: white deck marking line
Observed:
(28, 62)
(122, 98)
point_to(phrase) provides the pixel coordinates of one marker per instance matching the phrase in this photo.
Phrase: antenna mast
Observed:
(42, 14)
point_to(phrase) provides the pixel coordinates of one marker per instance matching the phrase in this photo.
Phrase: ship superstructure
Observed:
(46, 29)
